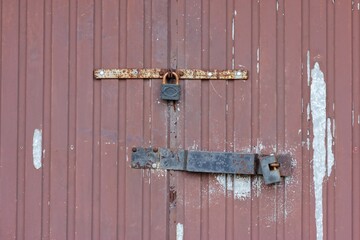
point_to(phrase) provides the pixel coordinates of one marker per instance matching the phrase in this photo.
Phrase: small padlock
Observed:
(170, 91)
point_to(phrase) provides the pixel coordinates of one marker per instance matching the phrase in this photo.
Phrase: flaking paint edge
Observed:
(37, 148)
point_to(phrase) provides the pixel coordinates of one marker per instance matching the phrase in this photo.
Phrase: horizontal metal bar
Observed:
(137, 73)
(202, 161)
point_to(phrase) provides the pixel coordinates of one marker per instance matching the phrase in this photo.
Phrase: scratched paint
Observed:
(37, 148)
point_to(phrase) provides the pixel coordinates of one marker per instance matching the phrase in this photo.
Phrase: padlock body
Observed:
(170, 92)
(270, 175)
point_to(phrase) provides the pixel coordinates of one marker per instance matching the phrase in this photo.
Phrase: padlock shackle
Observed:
(176, 77)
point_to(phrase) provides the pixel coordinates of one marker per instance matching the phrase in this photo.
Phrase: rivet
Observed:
(102, 72)
(134, 149)
(135, 72)
(155, 149)
(209, 74)
(238, 73)
(153, 165)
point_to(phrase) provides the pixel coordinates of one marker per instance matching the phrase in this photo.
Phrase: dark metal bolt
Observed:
(155, 149)
(134, 149)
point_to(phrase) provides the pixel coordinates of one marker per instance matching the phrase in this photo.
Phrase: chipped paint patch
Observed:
(241, 186)
(330, 154)
(179, 231)
(37, 148)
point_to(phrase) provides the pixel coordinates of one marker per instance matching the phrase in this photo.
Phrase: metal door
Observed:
(66, 138)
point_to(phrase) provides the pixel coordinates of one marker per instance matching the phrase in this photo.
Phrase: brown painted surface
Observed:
(85, 188)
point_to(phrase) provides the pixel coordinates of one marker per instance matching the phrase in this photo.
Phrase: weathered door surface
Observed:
(66, 138)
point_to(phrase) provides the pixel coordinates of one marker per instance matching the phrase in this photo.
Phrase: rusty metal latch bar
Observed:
(188, 74)
(271, 167)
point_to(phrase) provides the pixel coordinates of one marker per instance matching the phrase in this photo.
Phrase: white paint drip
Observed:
(179, 231)
(359, 119)
(318, 112)
(308, 112)
(330, 154)
(37, 148)
(241, 185)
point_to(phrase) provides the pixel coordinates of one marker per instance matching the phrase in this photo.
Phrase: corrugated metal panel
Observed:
(78, 183)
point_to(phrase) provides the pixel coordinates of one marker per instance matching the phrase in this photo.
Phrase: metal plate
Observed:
(211, 162)
(221, 162)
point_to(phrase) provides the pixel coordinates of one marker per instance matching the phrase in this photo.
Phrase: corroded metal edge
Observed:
(138, 73)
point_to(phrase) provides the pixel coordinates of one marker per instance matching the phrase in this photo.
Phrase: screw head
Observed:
(102, 72)
(209, 74)
(135, 72)
(238, 73)
(155, 149)
(134, 149)
(153, 165)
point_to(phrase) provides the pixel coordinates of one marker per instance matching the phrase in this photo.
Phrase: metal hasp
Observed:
(188, 74)
(271, 167)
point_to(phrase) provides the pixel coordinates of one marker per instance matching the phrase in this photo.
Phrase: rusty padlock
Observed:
(169, 91)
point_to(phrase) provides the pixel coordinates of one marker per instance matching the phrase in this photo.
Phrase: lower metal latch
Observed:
(270, 166)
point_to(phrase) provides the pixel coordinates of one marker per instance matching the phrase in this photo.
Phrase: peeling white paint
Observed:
(308, 112)
(37, 148)
(233, 28)
(330, 154)
(318, 113)
(179, 231)
(359, 119)
(241, 185)
(308, 143)
(352, 117)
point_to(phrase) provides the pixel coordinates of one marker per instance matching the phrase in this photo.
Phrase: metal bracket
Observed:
(188, 74)
(271, 167)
